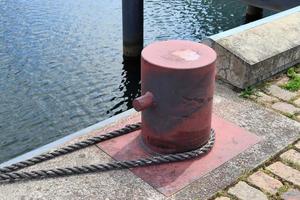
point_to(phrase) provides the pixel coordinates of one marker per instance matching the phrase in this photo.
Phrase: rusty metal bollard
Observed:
(177, 91)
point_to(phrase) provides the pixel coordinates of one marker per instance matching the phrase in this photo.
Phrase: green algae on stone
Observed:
(294, 83)
(248, 92)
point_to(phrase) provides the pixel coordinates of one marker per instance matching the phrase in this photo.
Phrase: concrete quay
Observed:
(275, 130)
(256, 51)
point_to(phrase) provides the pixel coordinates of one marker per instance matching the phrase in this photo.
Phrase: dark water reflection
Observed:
(61, 65)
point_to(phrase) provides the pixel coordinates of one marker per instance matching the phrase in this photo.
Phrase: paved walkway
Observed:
(279, 177)
(282, 94)
(269, 111)
(275, 130)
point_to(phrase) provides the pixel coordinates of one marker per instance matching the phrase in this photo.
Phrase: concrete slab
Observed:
(168, 179)
(275, 130)
(109, 186)
(112, 185)
(253, 53)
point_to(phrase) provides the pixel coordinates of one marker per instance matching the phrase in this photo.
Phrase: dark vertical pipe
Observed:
(133, 28)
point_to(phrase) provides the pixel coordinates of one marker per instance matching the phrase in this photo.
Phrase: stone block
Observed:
(222, 198)
(297, 145)
(285, 172)
(265, 182)
(297, 102)
(265, 99)
(291, 194)
(285, 108)
(282, 81)
(244, 191)
(291, 156)
(254, 52)
(283, 94)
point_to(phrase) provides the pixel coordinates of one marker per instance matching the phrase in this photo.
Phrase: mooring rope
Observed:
(8, 174)
(71, 148)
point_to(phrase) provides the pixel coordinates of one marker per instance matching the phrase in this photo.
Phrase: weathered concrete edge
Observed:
(250, 73)
(273, 71)
(250, 77)
(67, 138)
(252, 24)
(223, 72)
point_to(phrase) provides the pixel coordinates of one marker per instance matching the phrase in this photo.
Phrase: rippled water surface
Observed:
(61, 61)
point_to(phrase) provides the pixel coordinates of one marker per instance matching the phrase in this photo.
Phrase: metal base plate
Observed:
(231, 140)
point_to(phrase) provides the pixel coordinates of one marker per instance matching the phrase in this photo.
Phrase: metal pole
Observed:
(133, 28)
(253, 13)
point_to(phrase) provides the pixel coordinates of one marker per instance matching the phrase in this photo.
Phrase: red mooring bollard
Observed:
(177, 91)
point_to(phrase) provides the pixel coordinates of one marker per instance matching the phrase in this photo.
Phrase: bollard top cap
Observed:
(179, 54)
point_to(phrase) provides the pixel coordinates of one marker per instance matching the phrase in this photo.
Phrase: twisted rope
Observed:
(161, 159)
(71, 148)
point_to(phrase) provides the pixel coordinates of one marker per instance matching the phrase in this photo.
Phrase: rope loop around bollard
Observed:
(9, 174)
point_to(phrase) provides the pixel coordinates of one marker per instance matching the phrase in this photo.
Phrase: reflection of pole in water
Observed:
(253, 13)
(131, 81)
(130, 87)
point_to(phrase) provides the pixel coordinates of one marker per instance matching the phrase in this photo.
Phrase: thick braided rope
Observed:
(71, 148)
(17, 176)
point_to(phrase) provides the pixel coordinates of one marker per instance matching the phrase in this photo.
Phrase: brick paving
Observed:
(266, 99)
(291, 156)
(286, 108)
(282, 80)
(223, 198)
(276, 179)
(297, 145)
(291, 194)
(274, 96)
(297, 102)
(265, 182)
(244, 191)
(285, 172)
(279, 178)
(280, 93)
